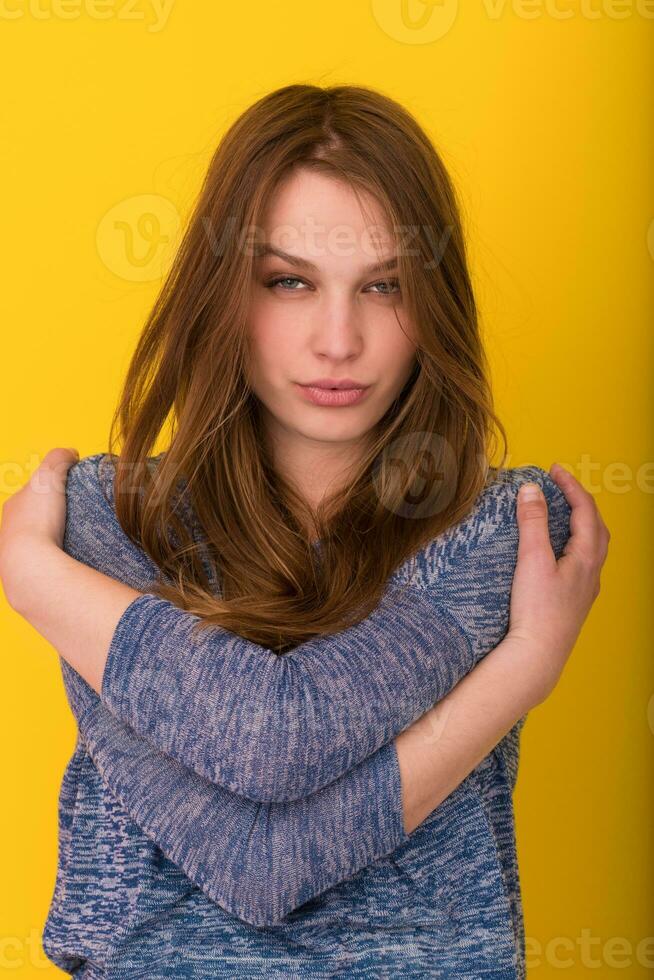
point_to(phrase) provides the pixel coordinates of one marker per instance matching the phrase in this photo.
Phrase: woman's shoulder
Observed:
(93, 533)
(85, 491)
(489, 532)
(496, 505)
(92, 477)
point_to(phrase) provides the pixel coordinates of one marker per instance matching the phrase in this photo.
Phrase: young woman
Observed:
(301, 642)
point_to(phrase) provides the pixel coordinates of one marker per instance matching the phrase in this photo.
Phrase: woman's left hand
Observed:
(35, 514)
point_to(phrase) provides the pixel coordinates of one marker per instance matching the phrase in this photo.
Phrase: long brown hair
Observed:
(429, 456)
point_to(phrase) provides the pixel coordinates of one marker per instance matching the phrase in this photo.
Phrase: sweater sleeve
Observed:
(258, 861)
(278, 728)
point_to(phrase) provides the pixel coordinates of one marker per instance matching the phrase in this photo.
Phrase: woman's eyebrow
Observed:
(386, 266)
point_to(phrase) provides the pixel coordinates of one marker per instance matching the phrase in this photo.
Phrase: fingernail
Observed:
(530, 491)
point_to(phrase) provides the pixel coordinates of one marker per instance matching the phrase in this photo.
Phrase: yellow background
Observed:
(542, 112)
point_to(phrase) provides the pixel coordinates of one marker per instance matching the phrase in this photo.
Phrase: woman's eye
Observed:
(393, 283)
(281, 279)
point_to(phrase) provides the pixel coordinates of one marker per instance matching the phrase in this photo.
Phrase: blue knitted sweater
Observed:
(231, 812)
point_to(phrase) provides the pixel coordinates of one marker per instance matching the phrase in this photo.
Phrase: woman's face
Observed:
(334, 319)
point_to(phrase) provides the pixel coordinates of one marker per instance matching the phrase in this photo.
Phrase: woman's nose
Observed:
(338, 331)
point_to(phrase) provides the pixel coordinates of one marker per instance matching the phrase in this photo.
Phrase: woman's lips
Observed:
(333, 398)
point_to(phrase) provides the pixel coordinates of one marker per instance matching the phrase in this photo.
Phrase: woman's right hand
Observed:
(550, 599)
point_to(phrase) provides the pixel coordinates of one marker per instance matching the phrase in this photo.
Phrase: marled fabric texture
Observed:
(229, 812)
